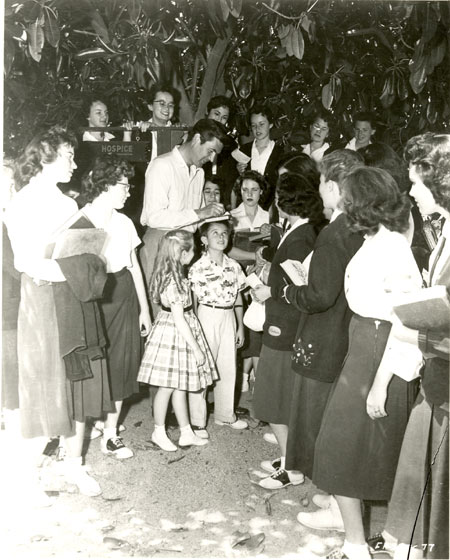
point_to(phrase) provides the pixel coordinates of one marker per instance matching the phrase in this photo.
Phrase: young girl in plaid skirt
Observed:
(177, 358)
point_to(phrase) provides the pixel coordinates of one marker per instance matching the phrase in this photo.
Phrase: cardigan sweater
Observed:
(321, 341)
(282, 319)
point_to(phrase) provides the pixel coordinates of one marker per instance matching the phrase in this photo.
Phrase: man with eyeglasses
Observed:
(174, 186)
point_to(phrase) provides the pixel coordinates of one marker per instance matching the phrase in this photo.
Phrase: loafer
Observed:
(280, 479)
(270, 438)
(322, 520)
(236, 425)
(271, 466)
(200, 432)
(323, 501)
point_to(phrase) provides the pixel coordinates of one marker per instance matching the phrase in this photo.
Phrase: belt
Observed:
(217, 306)
(164, 308)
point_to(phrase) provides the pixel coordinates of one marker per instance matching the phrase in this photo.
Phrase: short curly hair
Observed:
(252, 176)
(105, 171)
(299, 196)
(336, 165)
(371, 198)
(42, 149)
(430, 155)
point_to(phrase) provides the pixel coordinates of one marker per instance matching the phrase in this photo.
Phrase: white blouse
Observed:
(241, 221)
(35, 213)
(316, 154)
(380, 269)
(259, 160)
(121, 240)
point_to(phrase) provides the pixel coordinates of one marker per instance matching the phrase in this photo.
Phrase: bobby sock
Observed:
(160, 429)
(356, 551)
(283, 462)
(109, 433)
(186, 429)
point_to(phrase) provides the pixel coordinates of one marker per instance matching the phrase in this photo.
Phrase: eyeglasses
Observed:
(127, 185)
(163, 104)
(321, 128)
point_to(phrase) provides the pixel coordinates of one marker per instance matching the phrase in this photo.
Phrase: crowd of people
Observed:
(321, 243)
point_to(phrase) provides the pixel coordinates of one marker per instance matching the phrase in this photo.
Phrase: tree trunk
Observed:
(214, 68)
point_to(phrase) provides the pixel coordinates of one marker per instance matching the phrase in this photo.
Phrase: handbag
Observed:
(255, 316)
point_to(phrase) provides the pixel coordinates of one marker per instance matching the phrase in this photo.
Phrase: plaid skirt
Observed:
(170, 362)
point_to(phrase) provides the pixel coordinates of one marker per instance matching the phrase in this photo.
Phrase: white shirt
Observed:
(35, 213)
(242, 221)
(155, 140)
(259, 160)
(381, 268)
(316, 154)
(121, 239)
(293, 227)
(352, 145)
(173, 190)
(87, 137)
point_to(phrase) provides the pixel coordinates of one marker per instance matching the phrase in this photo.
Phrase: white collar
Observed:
(297, 224)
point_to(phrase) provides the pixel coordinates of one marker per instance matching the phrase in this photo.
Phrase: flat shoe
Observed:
(162, 441)
(191, 439)
(323, 501)
(322, 520)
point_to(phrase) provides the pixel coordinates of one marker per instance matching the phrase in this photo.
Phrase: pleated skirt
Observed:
(168, 359)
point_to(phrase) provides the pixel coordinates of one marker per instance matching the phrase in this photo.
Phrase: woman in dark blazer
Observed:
(299, 201)
(321, 340)
(264, 153)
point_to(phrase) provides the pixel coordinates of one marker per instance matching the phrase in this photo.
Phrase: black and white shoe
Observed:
(280, 479)
(271, 466)
(115, 447)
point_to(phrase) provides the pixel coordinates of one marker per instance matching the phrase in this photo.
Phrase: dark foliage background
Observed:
(296, 55)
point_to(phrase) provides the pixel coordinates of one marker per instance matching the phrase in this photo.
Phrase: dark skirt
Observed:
(425, 450)
(252, 344)
(120, 312)
(273, 386)
(309, 400)
(356, 456)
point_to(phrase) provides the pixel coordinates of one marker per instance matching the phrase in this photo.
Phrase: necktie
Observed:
(441, 243)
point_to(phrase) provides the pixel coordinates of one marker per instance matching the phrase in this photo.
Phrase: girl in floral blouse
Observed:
(217, 280)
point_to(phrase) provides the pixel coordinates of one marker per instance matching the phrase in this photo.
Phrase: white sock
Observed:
(283, 462)
(109, 433)
(356, 551)
(160, 429)
(186, 429)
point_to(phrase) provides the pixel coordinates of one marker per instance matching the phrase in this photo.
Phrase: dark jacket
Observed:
(435, 346)
(281, 318)
(270, 172)
(81, 336)
(322, 336)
